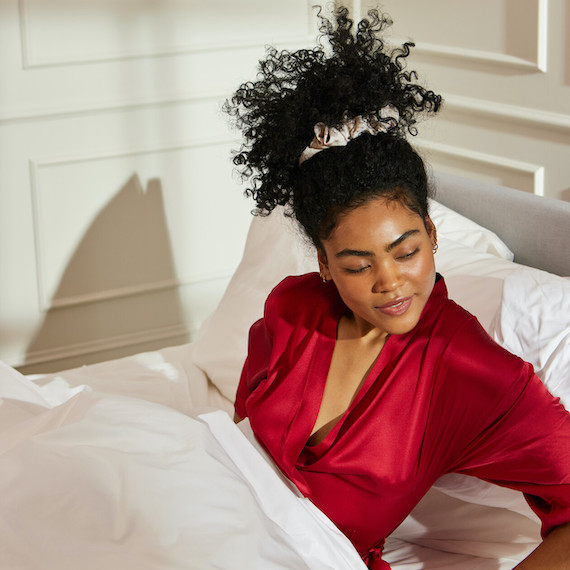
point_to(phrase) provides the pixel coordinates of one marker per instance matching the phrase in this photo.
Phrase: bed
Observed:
(136, 463)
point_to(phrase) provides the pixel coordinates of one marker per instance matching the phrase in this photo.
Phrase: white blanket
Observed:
(91, 481)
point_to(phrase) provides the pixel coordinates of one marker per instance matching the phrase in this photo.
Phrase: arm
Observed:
(552, 554)
(523, 444)
(529, 451)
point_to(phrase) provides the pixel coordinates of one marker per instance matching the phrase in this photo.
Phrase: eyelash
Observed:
(408, 255)
(361, 269)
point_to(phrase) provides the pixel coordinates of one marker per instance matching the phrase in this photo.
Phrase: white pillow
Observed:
(534, 322)
(458, 228)
(274, 249)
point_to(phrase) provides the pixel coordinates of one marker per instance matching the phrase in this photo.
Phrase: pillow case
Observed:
(274, 249)
(534, 322)
(458, 228)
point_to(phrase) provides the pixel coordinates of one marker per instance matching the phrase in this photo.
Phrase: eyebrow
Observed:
(366, 253)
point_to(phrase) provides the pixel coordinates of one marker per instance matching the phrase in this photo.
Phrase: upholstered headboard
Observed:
(536, 229)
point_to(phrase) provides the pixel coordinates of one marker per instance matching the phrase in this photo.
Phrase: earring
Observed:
(323, 278)
(434, 237)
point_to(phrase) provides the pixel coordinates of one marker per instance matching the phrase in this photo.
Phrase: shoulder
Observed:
(298, 288)
(470, 346)
(302, 298)
(467, 360)
(475, 369)
(295, 283)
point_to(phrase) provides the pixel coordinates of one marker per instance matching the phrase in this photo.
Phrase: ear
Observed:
(431, 230)
(323, 264)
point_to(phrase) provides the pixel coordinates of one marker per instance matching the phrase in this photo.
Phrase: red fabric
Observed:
(442, 398)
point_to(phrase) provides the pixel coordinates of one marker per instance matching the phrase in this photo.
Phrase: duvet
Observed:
(91, 481)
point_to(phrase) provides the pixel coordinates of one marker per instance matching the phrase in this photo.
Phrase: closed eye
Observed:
(359, 270)
(408, 255)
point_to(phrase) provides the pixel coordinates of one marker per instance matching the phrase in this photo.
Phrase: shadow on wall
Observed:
(119, 292)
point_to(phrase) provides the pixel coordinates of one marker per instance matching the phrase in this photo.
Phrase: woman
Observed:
(367, 383)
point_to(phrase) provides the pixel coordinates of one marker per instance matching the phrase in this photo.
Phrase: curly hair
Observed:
(354, 75)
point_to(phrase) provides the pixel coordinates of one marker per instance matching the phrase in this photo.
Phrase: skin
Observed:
(553, 552)
(379, 253)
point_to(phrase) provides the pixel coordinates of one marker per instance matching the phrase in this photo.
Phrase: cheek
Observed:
(424, 269)
(352, 289)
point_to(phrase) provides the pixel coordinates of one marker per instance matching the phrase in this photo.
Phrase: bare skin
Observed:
(553, 553)
(353, 357)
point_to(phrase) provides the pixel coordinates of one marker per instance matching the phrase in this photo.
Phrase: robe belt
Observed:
(373, 559)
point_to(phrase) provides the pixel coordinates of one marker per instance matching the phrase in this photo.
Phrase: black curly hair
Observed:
(352, 74)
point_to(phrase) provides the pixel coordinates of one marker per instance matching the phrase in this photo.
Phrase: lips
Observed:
(396, 307)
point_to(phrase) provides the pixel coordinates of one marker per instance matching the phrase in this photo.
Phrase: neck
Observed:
(354, 328)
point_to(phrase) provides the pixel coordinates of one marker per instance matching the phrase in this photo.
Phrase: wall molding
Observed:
(534, 170)
(110, 107)
(101, 345)
(542, 51)
(120, 153)
(478, 56)
(32, 59)
(44, 300)
(109, 294)
(546, 120)
(36, 62)
(491, 58)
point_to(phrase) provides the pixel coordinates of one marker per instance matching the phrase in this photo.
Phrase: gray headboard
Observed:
(536, 229)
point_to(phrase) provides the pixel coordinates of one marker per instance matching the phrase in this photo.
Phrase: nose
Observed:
(387, 278)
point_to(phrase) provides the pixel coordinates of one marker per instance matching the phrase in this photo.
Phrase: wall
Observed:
(120, 218)
(503, 67)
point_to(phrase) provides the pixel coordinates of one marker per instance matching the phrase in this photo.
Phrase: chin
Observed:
(405, 325)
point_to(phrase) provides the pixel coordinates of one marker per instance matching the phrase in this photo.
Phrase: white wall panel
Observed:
(121, 220)
(117, 224)
(502, 68)
(99, 54)
(493, 32)
(525, 176)
(64, 32)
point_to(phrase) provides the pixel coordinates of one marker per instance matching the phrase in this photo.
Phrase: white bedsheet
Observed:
(97, 481)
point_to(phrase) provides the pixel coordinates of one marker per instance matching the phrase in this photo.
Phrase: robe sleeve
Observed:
(256, 364)
(523, 436)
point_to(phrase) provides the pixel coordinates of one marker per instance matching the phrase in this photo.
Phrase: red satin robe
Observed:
(442, 398)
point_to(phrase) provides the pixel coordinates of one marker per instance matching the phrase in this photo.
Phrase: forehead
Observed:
(377, 219)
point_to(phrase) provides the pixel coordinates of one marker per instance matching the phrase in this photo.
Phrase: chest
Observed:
(351, 363)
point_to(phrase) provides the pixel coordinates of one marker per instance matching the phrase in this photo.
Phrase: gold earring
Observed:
(323, 278)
